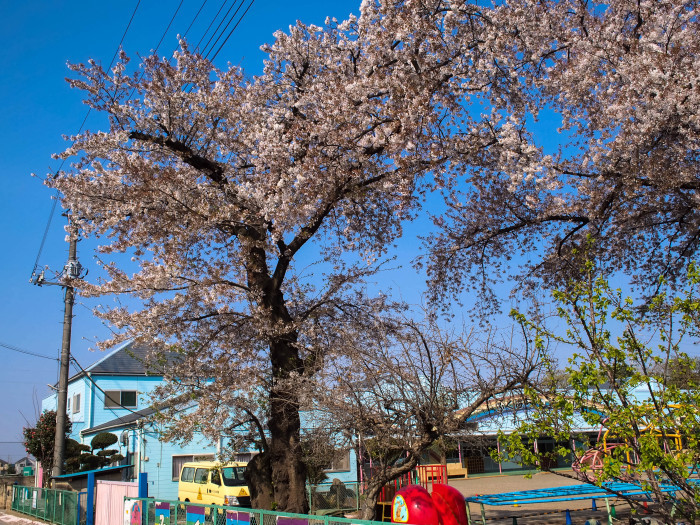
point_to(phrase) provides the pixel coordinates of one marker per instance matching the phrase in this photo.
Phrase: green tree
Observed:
(100, 451)
(103, 440)
(39, 440)
(617, 378)
(682, 372)
(81, 457)
(74, 450)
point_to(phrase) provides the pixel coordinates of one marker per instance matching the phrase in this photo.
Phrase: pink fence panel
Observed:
(109, 501)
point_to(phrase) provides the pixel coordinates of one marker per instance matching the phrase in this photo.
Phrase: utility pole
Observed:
(71, 270)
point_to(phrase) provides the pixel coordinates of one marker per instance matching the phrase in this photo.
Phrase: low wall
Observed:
(6, 484)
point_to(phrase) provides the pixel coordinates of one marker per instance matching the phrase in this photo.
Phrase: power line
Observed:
(210, 24)
(195, 18)
(124, 34)
(82, 125)
(219, 26)
(232, 30)
(27, 352)
(46, 233)
(167, 28)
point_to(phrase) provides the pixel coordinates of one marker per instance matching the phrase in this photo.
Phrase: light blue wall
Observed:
(160, 463)
(101, 414)
(49, 403)
(159, 466)
(78, 386)
(156, 455)
(346, 476)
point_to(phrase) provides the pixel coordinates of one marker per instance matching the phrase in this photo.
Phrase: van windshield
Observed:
(233, 476)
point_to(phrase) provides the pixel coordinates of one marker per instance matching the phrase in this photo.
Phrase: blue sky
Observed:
(38, 107)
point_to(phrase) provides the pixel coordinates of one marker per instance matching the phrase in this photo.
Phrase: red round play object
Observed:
(414, 505)
(450, 505)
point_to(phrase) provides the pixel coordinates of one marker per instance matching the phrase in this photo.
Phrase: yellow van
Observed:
(211, 483)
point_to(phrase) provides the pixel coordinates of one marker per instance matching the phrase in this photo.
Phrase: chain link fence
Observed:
(334, 498)
(55, 506)
(146, 511)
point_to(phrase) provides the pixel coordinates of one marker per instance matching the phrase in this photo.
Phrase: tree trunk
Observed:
(287, 469)
(369, 506)
(259, 481)
(375, 484)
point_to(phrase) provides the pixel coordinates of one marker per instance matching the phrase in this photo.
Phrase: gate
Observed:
(109, 501)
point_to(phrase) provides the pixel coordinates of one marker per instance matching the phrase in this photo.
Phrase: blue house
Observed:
(112, 395)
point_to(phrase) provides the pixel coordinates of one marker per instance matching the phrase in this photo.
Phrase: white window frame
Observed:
(340, 463)
(109, 395)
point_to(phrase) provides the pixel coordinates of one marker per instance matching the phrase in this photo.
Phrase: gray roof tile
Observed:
(128, 359)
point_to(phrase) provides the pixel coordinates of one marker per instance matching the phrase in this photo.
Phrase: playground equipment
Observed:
(426, 476)
(415, 505)
(584, 491)
(590, 465)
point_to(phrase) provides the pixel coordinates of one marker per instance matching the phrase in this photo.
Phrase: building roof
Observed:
(85, 473)
(127, 359)
(133, 417)
(124, 421)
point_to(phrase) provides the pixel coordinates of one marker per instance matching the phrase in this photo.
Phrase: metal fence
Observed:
(334, 498)
(147, 511)
(55, 506)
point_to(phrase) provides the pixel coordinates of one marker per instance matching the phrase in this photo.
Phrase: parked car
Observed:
(211, 483)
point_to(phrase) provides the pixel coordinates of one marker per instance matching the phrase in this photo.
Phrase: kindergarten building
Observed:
(112, 395)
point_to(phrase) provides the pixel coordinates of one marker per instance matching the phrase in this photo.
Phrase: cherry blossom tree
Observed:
(217, 185)
(405, 384)
(594, 133)
(223, 188)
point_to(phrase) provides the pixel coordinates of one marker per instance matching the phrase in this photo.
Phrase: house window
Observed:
(120, 399)
(341, 462)
(179, 461)
(76, 403)
(245, 457)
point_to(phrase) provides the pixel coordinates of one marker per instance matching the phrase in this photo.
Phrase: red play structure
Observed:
(427, 476)
(415, 505)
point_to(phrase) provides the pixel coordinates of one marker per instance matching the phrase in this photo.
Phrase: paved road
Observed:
(13, 519)
(538, 513)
